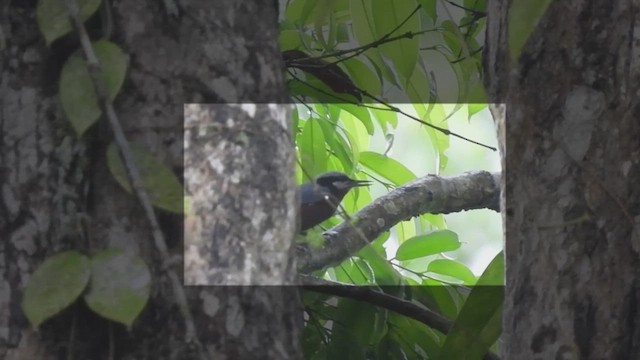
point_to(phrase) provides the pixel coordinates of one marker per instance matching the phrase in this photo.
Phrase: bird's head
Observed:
(338, 184)
(320, 198)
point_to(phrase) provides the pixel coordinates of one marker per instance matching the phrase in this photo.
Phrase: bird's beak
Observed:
(359, 183)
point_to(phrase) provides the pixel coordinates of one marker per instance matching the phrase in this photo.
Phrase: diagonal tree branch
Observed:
(429, 194)
(374, 297)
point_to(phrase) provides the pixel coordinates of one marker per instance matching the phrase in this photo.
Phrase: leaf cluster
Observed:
(348, 60)
(113, 283)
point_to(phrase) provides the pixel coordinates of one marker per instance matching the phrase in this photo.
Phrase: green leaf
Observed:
(478, 325)
(384, 272)
(450, 36)
(475, 108)
(53, 17)
(391, 347)
(476, 92)
(493, 275)
(387, 15)
(477, 5)
(522, 19)
(434, 221)
(334, 111)
(295, 119)
(313, 151)
(339, 146)
(362, 23)
(385, 118)
(429, 7)
(368, 324)
(322, 12)
(343, 33)
(77, 92)
(364, 32)
(415, 337)
(361, 114)
(55, 284)
(120, 285)
(439, 140)
(470, 83)
(355, 271)
(387, 167)
(343, 345)
(356, 133)
(443, 296)
(466, 65)
(430, 244)
(161, 183)
(289, 39)
(452, 268)
(378, 244)
(364, 77)
(383, 70)
(313, 237)
(405, 230)
(299, 11)
(418, 87)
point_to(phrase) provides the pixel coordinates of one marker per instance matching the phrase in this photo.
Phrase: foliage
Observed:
(115, 285)
(53, 17)
(348, 63)
(79, 99)
(164, 187)
(77, 94)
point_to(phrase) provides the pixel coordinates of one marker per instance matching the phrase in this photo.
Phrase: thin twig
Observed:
(442, 130)
(370, 296)
(360, 49)
(390, 108)
(386, 38)
(374, 297)
(132, 170)
(383, 40)
(472, 11)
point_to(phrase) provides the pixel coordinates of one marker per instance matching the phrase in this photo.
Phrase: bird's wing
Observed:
(308, 196)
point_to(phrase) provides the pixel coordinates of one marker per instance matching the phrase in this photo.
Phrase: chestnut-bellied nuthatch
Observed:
(321, 197)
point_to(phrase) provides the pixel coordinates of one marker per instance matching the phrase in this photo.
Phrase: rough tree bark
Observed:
(572, 170)
(57, 193)
(238, 174)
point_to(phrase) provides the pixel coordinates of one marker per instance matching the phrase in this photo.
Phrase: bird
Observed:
(320, 198)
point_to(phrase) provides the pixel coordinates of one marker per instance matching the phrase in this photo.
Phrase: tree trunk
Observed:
(58, 194)
(572, 170)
